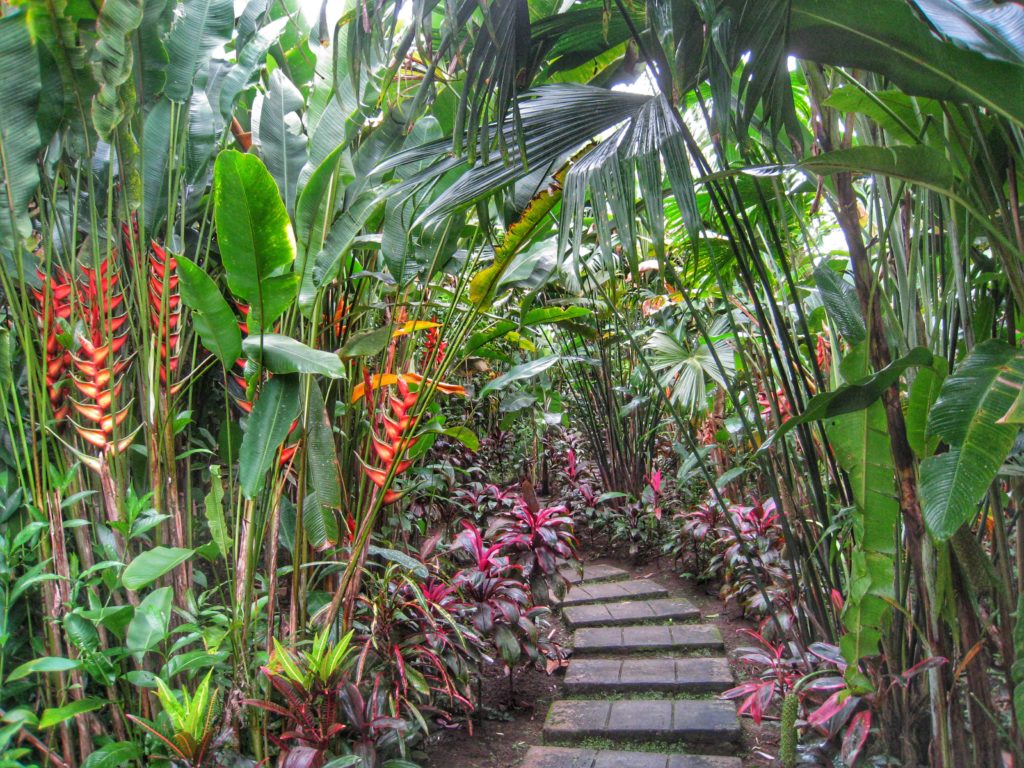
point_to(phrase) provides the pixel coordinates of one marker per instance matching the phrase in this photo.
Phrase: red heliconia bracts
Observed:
(238, 383)
(99, 361)
(164, 305)
(53, 303)
(433, 347)
(165, 312)
(397, 442)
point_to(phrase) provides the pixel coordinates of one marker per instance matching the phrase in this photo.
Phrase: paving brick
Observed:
(630, 612)
(661, 720)
(568, 757)
(596, 572)
(610, 591)
(693, 675)
(646, 637)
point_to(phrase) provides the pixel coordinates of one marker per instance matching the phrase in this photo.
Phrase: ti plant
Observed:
(310, 683)
(192, 719)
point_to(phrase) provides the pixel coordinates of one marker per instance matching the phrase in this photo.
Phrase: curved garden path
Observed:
(641, 687)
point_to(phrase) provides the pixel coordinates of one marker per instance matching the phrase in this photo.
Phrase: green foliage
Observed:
(968, 417)
(211, 315)
(255, 235)
(273, 414)
(19, 134)
(861, 442)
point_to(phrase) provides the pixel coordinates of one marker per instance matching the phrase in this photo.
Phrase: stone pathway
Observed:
(641, 686)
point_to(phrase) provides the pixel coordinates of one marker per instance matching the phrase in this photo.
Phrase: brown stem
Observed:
(847, 213)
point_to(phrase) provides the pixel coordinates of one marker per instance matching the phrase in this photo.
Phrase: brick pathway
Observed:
(638, 695)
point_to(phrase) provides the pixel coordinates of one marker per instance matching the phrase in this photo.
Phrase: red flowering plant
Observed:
(815, 683)
(537, 539)
(499, 602)
(52, 308)
(412, 640)
(100, 360)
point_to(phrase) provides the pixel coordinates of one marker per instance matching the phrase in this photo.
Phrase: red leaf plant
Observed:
(537, 539)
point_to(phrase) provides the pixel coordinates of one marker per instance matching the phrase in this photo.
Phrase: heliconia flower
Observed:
(433, 347)
(163, 292)
(396, 442)
(824, 353)
(378, 380)
(765, 401)
(340, 312)
(53, 303)
(165, 312)
(99, 362)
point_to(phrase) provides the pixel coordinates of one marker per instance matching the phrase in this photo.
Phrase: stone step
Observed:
(645, 638)
(630, 612)
(569, 757)
(596, 572)
(671, 721)
(610, 676)
(611, 591)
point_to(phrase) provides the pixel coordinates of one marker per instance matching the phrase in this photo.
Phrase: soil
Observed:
(508, 731)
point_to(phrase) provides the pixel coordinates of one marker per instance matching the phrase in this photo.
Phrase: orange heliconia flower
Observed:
(396, 442)
(52, 303)
(163, 292)
(99, 362)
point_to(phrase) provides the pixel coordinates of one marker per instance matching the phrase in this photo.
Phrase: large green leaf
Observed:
(840, 301)
(994, 28)
(19, 133)
(200, 29)
(966, 417)
(527, 370)
(861, 443)
(56, 715)
(917, 164)
(113, 755)
(112, 63)
(323, 268)
(273, 414)
(923, 394)
(150, 565)
(156, 21)
(148, 627)
(280, 136)
(329, 178)
(43, 664)
(318, 513)
(885, 36)
(283, 354)
(538, 316)
(214, 509)
(255, 235)
(156, 148)
(856, 395)
(249, 61)
(211, 315)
